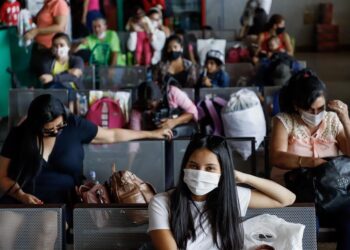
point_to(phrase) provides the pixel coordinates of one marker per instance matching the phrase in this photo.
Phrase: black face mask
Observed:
(173, 55)
(280, 30)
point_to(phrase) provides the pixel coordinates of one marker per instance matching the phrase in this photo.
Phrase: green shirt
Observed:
(111, 39)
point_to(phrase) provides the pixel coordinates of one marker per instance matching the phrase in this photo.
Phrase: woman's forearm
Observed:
(286, 160)
(183, 119)
(271, 189)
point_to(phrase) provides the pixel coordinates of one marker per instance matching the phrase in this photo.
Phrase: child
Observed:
(214, 75)
(142, 25)
(274, 46)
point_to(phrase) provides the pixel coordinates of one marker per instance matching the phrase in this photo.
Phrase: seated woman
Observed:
(275, 27)
(41, 160)
(204, 210)
(62, 70)
(305, 133)
(151, 100)
(173, 65)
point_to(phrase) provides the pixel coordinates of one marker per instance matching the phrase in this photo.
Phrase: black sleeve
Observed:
(86, 129)
(11, 144)
(45, 66)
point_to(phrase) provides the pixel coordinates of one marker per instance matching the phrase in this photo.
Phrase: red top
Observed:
(9, 13)
(267, 35)
(148, 4)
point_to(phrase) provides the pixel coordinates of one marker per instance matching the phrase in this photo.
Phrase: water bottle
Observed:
(82, 104)
(104, 115)
(93, 177)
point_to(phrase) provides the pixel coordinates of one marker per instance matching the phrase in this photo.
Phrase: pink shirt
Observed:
(46, 18)
(301, 142)
(177, 99)
(94, 5)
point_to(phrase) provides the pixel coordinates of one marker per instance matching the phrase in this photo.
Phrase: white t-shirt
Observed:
(266, 5)
(158, 211)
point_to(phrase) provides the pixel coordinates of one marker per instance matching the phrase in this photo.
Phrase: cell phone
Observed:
(205, 73)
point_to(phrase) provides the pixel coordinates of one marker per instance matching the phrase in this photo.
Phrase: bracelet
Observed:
(299, 161)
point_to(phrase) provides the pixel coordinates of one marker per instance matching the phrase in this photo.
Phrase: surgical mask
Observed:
(101, 35)
(61, 52)
(201, 182)
(173, 55)
(280, 30)
(311, 119)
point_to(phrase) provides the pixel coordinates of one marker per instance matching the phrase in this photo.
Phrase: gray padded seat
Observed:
(147, 162)
(20, 100)
(33, 223)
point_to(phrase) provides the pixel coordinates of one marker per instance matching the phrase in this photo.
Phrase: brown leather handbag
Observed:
(95, 193)
(127, 188)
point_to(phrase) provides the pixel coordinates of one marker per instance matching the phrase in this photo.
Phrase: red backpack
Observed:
(106, 113)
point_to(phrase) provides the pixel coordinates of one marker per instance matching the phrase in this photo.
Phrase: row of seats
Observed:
(119, 231)
(116, 77)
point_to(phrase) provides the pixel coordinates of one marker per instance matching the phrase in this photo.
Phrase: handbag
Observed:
(127, 188)
(332, 184)
(95, 193)
(300, 182)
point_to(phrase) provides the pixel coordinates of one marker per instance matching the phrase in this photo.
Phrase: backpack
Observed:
(209, 115)
(106, 113)
(236, 55)
(280, 68)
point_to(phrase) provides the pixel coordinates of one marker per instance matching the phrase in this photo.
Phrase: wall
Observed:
(225, 14)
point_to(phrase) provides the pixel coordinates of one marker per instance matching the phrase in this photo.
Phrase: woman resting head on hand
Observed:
(204, 209)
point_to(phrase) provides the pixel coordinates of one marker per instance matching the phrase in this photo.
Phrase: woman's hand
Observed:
(341, 109)
(29, 199)
(46, 78)
(31, 34)
(162, 133)
(167, 123)
(240, 177)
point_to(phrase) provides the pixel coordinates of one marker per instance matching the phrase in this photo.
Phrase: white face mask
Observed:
(61, 52)
(102, 35)
(201, 182)
(11, 1)
(311, 119)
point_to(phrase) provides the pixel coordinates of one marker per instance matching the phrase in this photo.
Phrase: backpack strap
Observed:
(214, 116)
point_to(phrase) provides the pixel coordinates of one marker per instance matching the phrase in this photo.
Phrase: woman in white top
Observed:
(204, 210)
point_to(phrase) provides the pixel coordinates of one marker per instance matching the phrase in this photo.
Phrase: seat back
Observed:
(146, 159)
(224, 93)
(119, 233)
(20, 100)
(295, 214)
(32, 227)
(237, 71)
(117, 77)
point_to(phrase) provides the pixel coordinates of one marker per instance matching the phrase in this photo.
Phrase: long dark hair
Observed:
(301, 91)
(43, 109)
(221, 205)
(147, 91)
(274, 19)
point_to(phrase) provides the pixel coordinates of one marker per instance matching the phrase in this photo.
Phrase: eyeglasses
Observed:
(52, 130)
